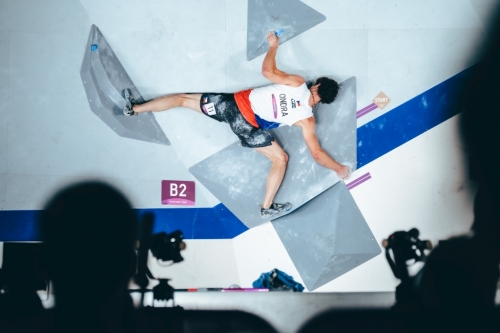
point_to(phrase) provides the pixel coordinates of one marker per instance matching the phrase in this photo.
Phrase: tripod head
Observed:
(405, 245)
(163, 246)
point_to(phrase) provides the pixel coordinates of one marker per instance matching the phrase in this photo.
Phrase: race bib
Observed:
(209, 109)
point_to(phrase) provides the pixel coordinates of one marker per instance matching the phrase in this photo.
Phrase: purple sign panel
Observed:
(177, 192)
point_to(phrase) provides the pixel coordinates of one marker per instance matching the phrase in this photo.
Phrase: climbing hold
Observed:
(279, 32)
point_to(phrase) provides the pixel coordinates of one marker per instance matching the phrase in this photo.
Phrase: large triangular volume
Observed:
(327, 237)
(236, 201)
(339, 265)
(235, 171)
(104, 79)
(308, 235)
(289, 17)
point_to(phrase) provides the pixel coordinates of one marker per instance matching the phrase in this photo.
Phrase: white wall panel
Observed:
(207, 264)
(157, 15)
(259, 250)
(404, 63)
(45, 17)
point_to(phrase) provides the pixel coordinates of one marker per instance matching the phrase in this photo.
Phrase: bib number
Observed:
(210, 109)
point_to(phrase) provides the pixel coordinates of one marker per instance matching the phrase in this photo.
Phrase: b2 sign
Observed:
(177, 192)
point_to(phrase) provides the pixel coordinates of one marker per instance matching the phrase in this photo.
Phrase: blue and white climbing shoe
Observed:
(128, 108)
(275, 209)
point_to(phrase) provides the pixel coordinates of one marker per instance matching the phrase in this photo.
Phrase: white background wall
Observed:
(49, 136)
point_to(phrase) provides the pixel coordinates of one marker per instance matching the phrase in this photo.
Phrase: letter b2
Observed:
(173, 190)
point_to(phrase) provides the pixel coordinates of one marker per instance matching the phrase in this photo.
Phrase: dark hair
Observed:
(327, 90)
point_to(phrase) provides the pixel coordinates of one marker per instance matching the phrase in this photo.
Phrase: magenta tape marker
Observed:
(359, 181)
(366, 110)
(275, 107)
(232, 290)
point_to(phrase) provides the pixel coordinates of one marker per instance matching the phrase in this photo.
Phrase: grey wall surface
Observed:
(237, 175)
(289, 17)
(327, 237)
(104, 79)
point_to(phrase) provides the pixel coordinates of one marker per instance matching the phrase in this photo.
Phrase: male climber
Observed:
(250, 113)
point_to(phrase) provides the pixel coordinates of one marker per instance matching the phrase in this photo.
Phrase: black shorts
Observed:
(223, 107)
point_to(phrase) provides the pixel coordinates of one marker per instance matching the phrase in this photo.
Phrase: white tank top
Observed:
(279, 105)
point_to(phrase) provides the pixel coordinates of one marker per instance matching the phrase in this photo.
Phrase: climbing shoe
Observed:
(128, 108)
(274, 209)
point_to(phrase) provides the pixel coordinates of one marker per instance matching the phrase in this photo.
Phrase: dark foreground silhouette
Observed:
(89, 232)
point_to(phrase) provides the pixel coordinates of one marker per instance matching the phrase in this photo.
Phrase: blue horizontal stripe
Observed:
(19, 225)
(195, 223)
(409, 120)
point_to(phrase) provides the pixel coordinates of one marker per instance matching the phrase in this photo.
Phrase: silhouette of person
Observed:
(21, 276)
(463, 272)
(89, 230)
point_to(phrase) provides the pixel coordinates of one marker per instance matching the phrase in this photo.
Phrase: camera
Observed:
(167, 247)
(405, 246)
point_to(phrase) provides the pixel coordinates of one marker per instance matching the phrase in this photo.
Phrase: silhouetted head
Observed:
(479, 126)
(89, 231)
(326, 89)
